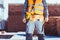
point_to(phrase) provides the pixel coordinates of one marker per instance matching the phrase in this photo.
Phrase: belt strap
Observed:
(37, 14)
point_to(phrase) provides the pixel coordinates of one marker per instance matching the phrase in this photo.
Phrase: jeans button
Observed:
(38, 19)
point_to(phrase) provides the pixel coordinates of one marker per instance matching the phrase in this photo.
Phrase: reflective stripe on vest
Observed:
(35, 5)
(30, 4)
(38, 10)
(38, 5)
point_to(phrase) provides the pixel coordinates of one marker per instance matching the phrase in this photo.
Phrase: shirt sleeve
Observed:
(46, 8)
(24, 9)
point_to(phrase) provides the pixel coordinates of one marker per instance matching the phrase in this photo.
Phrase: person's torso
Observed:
(35, 6)
(35, 9)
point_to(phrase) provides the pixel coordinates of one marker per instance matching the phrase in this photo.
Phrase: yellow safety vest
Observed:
(38, 8)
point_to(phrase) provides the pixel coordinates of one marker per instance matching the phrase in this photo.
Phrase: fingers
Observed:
(24, 20)
(46, 19)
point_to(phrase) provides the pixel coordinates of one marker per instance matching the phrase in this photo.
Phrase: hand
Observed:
(46, 19)
(24, 20)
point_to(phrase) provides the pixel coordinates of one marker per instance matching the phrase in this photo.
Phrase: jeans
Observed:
(31, 25)
(2, 24)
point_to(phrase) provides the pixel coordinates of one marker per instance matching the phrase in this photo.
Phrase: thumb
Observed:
(24, 20)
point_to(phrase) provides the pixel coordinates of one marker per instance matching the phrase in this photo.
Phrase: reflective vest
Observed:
(34, 8)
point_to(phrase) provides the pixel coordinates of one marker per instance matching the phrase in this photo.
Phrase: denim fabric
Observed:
(31, 25)
(2, 24)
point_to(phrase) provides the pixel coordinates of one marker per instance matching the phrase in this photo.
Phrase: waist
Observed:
(37, 14)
